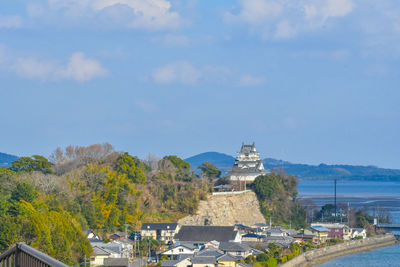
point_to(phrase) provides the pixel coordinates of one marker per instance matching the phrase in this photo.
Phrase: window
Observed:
(181, 250)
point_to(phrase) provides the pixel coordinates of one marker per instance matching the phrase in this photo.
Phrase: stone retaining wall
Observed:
(321, 255)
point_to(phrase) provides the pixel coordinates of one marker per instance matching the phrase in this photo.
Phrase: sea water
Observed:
(359, 194)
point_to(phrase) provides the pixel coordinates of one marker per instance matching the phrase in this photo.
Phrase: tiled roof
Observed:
(227, 257)
(203, 259)
(210, 252)
(206, 233)
(233, 247)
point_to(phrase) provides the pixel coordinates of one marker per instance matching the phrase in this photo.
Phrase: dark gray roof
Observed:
(233, 247)
(210, 252)
(117, 262)
(247, 149)
(227, 257)
(100, 251)
(159, 226)
(201, 259)
(169, 263)
(206, 233)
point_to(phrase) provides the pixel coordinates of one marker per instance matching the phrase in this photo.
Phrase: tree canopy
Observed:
(127, 164)
(209, 170)
(34, 163)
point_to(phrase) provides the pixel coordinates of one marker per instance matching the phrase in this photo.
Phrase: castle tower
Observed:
(247, 166)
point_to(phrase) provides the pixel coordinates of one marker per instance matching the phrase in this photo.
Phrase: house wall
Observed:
(203, 265)
(98, 260)
(227, 263)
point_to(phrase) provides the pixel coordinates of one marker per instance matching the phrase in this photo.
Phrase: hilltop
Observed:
(6, 159)
(303, 171)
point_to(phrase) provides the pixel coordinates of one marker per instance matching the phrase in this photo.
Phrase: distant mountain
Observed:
(303, 171)
(223, 161)
(6, 159)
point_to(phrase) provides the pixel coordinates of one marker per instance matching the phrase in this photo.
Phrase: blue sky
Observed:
(309, 81)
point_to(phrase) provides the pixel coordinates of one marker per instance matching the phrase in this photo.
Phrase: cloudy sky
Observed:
(309, 81)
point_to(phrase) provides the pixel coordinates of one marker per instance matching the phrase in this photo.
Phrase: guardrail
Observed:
(230, 192)
(22, 255)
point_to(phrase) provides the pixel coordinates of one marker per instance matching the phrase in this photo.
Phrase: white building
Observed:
(248, 165)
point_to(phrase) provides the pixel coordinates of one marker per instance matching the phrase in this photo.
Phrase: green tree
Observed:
(209, 170)
(25, 192)
(266, 186)
(126, 164)
(34, 163)
(179, 163)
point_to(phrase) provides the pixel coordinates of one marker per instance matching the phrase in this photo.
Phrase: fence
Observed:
(22, 255)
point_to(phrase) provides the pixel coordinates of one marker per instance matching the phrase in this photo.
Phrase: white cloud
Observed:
(150, 14)
(79, 68)
(249, 80)
(323, 10)
(178, 72)
(285, 19)
(8, 21)
(33, 69)
(183, 72)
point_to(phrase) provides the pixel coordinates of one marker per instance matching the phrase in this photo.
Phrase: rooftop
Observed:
(206, 233)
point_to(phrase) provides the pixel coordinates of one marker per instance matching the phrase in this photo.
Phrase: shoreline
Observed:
(319, 256)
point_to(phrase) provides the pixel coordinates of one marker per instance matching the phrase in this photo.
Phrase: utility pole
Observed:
(335, 202)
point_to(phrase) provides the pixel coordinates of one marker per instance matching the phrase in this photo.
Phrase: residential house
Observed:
(320, 232)
(159, 231)
(90, 235)
(186, 249)
(253, 237)
(235, 249)
(276, 231)
(358, 232)
(127, 247)
(200, 235)
(336, 230)
(261, 227)
(227, 260)
(100, 254)
(244, 229)
(283, 241)
(118, 235)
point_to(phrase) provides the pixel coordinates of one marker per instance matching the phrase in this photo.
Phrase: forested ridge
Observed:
(47, 202)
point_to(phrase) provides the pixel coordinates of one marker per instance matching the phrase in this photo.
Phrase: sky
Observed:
(309, 81)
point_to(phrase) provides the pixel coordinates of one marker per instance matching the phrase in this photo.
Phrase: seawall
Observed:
(321, 255)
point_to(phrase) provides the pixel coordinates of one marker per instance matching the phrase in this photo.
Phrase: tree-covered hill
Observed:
(303, 171)
(47, 204)
(6, 159)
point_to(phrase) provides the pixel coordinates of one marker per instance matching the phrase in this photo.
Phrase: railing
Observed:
(22, 255)
(230, 192)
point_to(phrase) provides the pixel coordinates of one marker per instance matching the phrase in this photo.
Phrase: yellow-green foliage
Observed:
(49, 211)
(29, 219)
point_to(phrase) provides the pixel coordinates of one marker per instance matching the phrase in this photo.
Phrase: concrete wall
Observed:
(321, 255)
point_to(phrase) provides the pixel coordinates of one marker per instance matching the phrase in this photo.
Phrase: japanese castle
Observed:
(248, 165)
